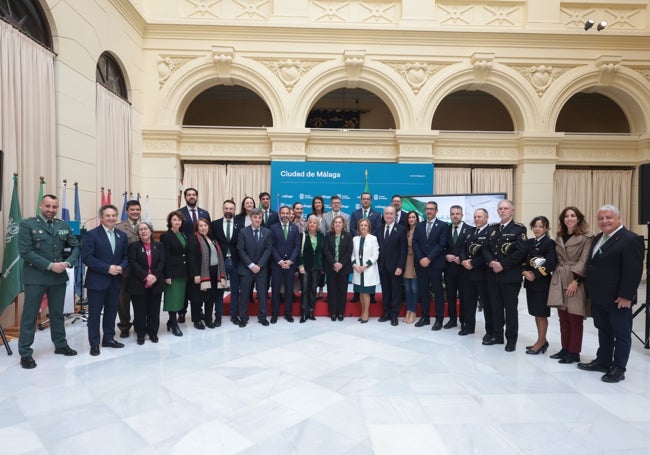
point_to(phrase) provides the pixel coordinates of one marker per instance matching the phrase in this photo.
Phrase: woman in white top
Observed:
(364, 262)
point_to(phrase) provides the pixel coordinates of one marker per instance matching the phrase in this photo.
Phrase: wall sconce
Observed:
(590, 23)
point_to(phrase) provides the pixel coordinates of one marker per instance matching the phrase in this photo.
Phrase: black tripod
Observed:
(645, 307)
(5, 341)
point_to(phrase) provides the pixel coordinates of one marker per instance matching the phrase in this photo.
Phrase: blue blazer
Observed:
(97, 255)
(392, 250)
(188, 226)
(285, 249)
(251, 252)
(374, 217)
(433, 246)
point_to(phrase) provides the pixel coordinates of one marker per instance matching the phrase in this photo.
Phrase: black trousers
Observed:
(337, 292)
(614, 334)
(504, 301)
(146, 313)
(391, 289)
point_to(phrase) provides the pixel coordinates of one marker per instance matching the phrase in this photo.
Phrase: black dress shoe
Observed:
(217, 321)
(614, 375)
(451, 325)
(511, 346)
(153, 338)
(27, 362)
(372, 298)
(393, 321)
(263, 321)
(112, 344)
(209, 324)
(492, 340)
(559, 354)
(242, 323)
(94, 350)
(140, 340)
(302, 319)
(333, 318)
(340, 317)
(288, 318)
(384, 318)
(65, 350)
(355, 298)
(124, 334)
(437, 326)
(274, 319)
(174, 329)
(486, 337)
(570, 357)
(422, 322)
(311, 317)
(594, 365)
(235, 319)
(465, 332)
(199, 325)
(181, 318)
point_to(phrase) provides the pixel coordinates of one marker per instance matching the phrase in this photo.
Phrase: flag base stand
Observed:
(5, 341)
(81, 315)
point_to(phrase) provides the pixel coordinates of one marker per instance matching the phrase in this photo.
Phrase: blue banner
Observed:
(293, 181)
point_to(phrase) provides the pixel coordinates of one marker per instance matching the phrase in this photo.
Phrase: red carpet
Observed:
(352, 309)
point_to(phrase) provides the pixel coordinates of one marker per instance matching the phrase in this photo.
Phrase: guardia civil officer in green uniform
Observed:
(48, 247)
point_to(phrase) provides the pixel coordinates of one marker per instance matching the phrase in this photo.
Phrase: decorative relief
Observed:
(645, 72)
(168, 65)
(416, 73)
(256, 10)
(288, 71)
(355, 11)
(474, 154)
(196, 9)
(222, 57)
(226, 149)
(351, 150)
(158, 146)
(354, 61)
(624, 18)
(540, 77)
(608, 65)
(482, 63)
(487, 13)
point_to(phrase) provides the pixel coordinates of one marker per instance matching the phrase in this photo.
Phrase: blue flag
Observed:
(65, 213)
(124, 217)
(79, 266)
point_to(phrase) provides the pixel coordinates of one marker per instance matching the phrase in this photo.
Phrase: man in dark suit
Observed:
(48, 248)
(104, 251)
(255, 245)
(130, 228)
(454, 272)
(286, 244)
(474, 283)
(392, 261)
(225, 232)
(429, 241)
(400, 215)
(191, 211)
(269, 216)
(504, 254)
(614, 272)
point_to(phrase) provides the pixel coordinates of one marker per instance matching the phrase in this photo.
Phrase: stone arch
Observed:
(200, 74)
(375, 77)
(626, 88)
(504, 83)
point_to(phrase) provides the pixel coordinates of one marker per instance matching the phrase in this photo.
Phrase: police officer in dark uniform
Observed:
(471, 257)
(48, 247)
(504, 254)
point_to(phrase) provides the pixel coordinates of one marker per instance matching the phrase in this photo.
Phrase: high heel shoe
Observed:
(363, 321)
(542, 349)
(559, 355)
(173, 328)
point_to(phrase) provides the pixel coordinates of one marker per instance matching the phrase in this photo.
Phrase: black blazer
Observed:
(616, 268)
(176, 257)
(545, 248)
(273, 218)
(456, 248)
(139, 268)
(392, 250)
(188, 226)
(309, 258)
(473, 244)
(220, 236)
(345, 252)
(507, 247)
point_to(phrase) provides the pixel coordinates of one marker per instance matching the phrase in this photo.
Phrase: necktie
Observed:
(228, 230)
(365, 214)
(429, 225)
(455, 234)
(194, 215)
(501, 227)
(50, 226)
(284, 229)
(135, 227)
(605, 238)
(266, 217)
(111, 239)
(387, 232)
(256, 235)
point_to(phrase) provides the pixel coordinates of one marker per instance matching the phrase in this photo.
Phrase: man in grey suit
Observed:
(130, 228)
(255, 245)
(335, 203)
(48, 249)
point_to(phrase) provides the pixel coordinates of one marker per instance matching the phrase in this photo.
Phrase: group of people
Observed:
(259, 249)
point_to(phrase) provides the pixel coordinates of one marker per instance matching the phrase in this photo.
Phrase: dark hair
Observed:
(190, 189)
(178, 214)
(394, 196)
(581, 228)
(296, 203)
(229, 201)
(264, 193)
(243, 209)
(545, 223)
(313, 207)
(431, 202)
(335, 196)
(50, 196)
(196, 225)
(417, 217)
(456, 207)
(105, 207)
(132, 202)
(285, 207)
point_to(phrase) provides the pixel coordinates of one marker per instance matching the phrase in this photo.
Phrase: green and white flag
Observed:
(12, 265)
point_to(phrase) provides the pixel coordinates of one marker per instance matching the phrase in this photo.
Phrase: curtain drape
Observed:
(218, 182)
(612, 187)
(113, 117)
(27, 117)
(452, 180)
(490, 180)
(572, 187)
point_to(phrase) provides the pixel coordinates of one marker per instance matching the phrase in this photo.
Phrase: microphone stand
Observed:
(646, 306)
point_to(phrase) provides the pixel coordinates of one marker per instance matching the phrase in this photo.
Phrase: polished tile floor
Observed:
(321, 388)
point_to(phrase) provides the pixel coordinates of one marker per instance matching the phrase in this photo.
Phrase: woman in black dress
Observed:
(338, 266)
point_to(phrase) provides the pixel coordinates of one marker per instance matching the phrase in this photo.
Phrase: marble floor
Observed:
(321, 388)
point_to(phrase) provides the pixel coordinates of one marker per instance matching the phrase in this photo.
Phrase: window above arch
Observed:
(109, 74)
(28, 17)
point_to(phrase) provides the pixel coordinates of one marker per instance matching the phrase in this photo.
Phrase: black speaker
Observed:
(644, 193)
